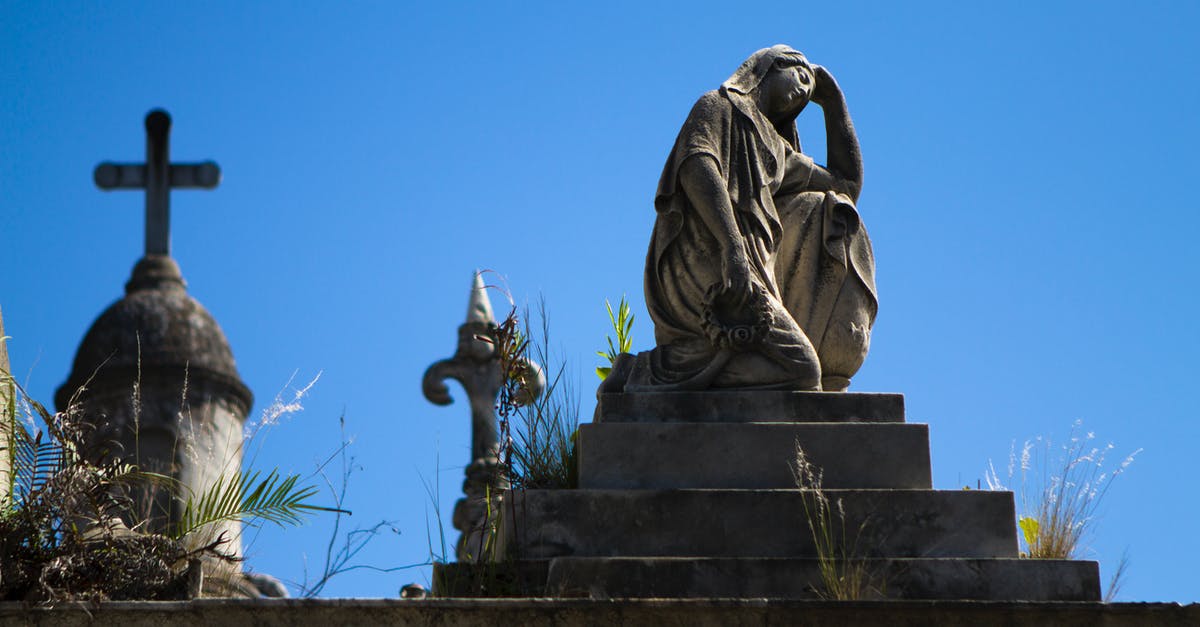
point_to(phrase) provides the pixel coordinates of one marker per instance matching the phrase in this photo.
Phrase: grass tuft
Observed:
(538, 416)
(1060, 491)
(845, 574)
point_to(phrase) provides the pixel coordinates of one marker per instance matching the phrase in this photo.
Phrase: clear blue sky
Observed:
(1028, 193)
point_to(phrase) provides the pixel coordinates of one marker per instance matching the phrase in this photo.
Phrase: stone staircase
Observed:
(692, 495)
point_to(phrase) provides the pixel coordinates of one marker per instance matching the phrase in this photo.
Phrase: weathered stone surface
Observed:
(759, 271)
(769, 578)
(630, 612)
(754, 523)
(789, 578)
(648, 521)
(156, 330)
(693, 455)
(749, 406)
(155, 374)
(509, 578)
(163, 390)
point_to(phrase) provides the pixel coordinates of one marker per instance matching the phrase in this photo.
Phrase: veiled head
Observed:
(769, 67)
(778, 81)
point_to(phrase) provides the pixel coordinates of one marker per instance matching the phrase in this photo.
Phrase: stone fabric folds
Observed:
(813, 300)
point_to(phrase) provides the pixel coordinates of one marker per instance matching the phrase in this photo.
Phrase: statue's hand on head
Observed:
(826, 89)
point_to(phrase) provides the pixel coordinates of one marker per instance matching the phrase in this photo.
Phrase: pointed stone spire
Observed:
(479, 308)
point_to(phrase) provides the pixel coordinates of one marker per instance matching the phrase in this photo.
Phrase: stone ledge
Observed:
(753, 523)
(750, 406)
(579, 612)
(508, 578)
(784, 578)
(697, 455)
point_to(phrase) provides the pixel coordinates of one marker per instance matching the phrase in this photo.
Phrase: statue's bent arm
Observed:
(843, 156)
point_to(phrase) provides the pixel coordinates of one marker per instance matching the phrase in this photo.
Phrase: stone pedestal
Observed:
(691, 495)
(156, 378)
(7, 403)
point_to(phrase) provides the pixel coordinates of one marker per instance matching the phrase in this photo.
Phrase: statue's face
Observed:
(785, 89)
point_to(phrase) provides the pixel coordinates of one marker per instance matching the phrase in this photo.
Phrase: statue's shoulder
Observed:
(712, 103)
(713, 108)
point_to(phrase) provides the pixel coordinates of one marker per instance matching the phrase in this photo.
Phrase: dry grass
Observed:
(537, 420)
(845, 574)
(61, 533)
(1060, 491)
(538, 416)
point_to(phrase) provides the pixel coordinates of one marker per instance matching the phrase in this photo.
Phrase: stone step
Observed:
(757, 455)
(750, 406)
(789, 578)
(754, 523)
(509, 578)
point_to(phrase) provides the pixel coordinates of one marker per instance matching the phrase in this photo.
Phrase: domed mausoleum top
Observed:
(157, 329)
(157, 336)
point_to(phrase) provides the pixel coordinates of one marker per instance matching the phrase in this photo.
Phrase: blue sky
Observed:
(1027, 193)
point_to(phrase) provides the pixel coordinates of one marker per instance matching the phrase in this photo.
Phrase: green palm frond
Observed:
(243, 496)
(34, 461)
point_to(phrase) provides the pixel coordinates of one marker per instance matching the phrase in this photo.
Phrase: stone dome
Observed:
(169, 329)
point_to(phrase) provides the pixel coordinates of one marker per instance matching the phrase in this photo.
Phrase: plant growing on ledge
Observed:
(1060, 491)
(63, 532)
(845, 574)
(538, 416)
(622, 324)
(537, 419)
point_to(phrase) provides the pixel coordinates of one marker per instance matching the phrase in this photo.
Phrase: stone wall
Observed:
(569, 613)
(197, 442)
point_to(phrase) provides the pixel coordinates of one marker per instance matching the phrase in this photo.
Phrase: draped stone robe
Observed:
(808, 321)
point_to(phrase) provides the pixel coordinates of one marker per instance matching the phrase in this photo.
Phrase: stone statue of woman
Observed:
(760, 273)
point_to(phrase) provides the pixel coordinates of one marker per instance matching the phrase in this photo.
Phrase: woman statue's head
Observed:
(778, 81)
(785, 90)
(779, 77)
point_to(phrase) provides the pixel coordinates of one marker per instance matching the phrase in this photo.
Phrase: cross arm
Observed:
(204, 175)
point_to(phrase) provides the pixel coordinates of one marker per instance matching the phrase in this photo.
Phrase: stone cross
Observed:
(157, 176)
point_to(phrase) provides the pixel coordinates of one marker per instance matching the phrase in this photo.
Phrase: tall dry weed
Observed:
(845, 574)
(1060, 489)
